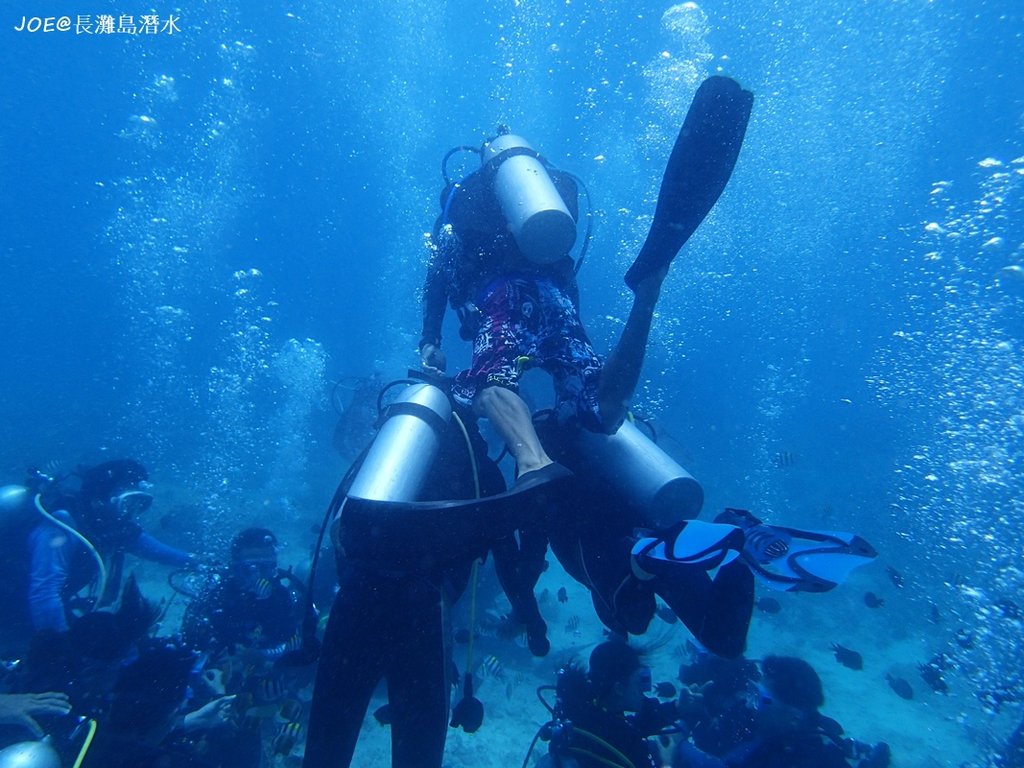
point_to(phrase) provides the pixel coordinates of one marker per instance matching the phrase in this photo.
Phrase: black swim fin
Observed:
(698, 170)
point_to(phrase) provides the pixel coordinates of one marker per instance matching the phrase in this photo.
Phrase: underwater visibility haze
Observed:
(207, 230)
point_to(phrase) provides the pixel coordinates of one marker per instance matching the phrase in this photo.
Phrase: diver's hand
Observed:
(432, 360)
(18, 709)
(691, 699)
(213, 715)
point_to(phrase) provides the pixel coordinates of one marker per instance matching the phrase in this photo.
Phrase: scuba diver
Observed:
(766, 715)
(253, 606)
(77, 530)
(424, 500)
(590, 727)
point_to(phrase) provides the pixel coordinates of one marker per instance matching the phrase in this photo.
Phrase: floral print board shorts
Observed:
(529, 322)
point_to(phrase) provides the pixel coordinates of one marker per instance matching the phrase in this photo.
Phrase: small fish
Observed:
(290, 710)
(965, 638)
(848, 657)
(563, 595)
(214, 678)
(784, 460)
(934, 614)
(768, 605)
(931, 673)
(871, 600)
(492, 667)
(382, 714)
(572, 626)
(508, 628)
(895, 576)
(1008, 608)
(666, 614)
(286, 738)
(901, 686)
(263, 589)
(665, 690)
(269, 689)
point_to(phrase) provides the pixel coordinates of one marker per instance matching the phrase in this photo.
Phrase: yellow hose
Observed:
(84, 541)
(86, 744)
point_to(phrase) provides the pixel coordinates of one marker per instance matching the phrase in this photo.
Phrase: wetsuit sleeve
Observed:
(435, 296)
(49, 549)
(149, 548)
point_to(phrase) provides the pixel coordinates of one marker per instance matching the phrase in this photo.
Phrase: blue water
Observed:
(202, 231)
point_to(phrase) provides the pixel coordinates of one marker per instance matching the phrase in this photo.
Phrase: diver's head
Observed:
(114, 493)
(789, 694)
(619, 678)
(253, 557)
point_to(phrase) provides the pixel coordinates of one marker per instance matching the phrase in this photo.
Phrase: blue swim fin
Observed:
(795, 560)
(698, 169)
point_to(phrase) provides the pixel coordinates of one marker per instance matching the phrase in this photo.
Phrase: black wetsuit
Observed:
(389, 620)
(229, 615)
(592, 728)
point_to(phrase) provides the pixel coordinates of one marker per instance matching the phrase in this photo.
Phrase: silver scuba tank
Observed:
(29, 754)
(535, 213)
(658, 487)
(405, 447)
(14, 503)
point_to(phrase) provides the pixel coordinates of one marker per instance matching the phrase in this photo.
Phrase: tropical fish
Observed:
(895, 576)
(848, 657)
(901, 686)
(214, 678)
(269, 689)
(784, 460)
(871, 600)
(563, 595)
(290, 710)
(931, 673)
(286, 738)
(492, 667)
(262, 589)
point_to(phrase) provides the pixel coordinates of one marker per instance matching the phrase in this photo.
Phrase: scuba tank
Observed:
(652, 482)
(17, 512)
(14, 503)
(403, 452)
(535, 213)
(29, 754)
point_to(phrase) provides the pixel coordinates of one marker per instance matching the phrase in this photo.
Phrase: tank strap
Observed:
(491, 166)
(438, 424)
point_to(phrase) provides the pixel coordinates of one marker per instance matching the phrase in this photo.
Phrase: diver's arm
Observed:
(48, 574)
(149, 548)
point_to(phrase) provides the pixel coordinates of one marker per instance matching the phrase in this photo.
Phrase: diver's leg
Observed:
(518, 568)
(622, 368)
(350, 668)
(511, 417)
(695, 568)
(418, 678)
